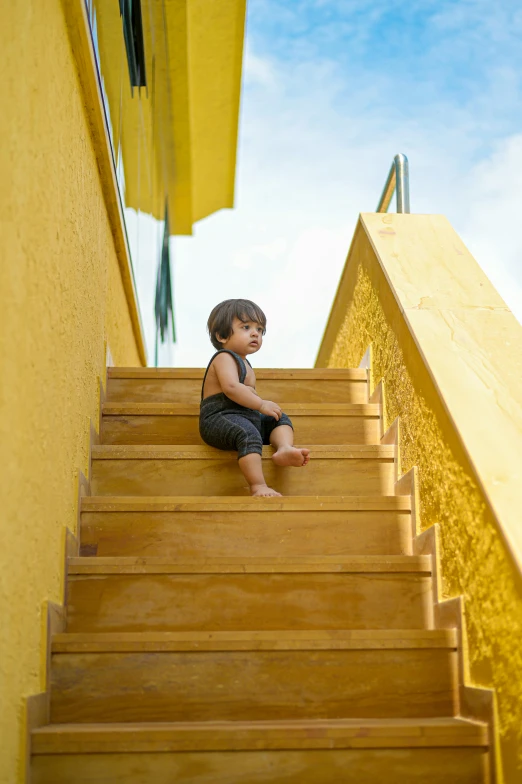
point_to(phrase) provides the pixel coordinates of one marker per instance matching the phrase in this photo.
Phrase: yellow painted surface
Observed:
(61, 300)
(216, 32)
(179, 135)
(449, 351)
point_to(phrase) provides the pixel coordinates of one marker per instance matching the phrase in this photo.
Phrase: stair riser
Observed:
(349, 766)
(252, 685)
(187, 535)
(188, 391)
(222, 476)
(247, 602)
(184, 429)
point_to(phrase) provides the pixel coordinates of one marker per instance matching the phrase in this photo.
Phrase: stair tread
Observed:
(428, 725)
(196, 451)
(255, 640)
(230, 565)
(292, 409)
(353, 374)
(63, 738)
(245, 504)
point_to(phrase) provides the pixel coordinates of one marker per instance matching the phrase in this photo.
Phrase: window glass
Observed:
(128, 94)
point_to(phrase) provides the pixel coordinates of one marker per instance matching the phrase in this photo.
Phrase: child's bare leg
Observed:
(282, 438)
(252, 469)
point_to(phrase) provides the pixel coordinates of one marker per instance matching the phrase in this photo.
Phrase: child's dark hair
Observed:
(221, 319)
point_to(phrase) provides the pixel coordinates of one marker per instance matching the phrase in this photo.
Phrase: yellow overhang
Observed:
(178, 136)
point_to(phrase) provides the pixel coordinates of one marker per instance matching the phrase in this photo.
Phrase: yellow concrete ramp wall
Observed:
(61, 300)
(450, 354)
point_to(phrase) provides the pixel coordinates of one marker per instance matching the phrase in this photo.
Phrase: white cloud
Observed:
(491, 229)
(257, 70)
(250, 257)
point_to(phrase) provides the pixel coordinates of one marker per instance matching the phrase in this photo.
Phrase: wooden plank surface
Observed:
(238, 596)
(222, 503)
(320, 410)
(356, 564)
(309, 640)
(349, 766)
(198, 452)
(204, 685)
(178, 386)
(161, 423)
(141, 470)
(291, 374)
(244, 735)
(195, 530)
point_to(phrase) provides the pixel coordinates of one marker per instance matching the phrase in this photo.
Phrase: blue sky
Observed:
(332, 90)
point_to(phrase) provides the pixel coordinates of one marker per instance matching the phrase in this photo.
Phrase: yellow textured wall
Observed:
(474, 558)
(61, 300)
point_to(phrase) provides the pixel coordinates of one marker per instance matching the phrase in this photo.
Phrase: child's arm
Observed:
(226, 372)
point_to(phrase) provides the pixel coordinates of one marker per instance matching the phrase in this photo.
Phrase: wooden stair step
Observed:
(145, 408)
(293, 766)
(233, 503)
(323, 564)
(340, 639)
(352, 751)
(252, 735)
(202, 470)
(167, 423)
(361, 592)
(183, 385)
(191, 527)
(260, 675)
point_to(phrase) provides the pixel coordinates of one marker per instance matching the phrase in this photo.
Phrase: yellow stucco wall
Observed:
(475, 559)
(61, 301)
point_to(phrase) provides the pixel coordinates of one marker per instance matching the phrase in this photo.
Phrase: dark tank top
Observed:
(220, 403)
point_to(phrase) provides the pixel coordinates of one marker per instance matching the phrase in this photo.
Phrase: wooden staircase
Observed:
(216, 638)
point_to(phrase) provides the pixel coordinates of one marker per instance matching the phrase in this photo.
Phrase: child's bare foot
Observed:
(262, 491)
(291, 456)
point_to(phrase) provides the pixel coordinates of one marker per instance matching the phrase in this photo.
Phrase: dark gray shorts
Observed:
(227, 425)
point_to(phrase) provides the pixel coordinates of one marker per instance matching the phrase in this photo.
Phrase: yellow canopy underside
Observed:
(178, 136)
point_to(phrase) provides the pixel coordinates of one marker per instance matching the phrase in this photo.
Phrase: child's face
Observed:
(246, 337)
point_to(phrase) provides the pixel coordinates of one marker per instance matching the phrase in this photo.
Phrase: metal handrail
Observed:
(398, 179)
